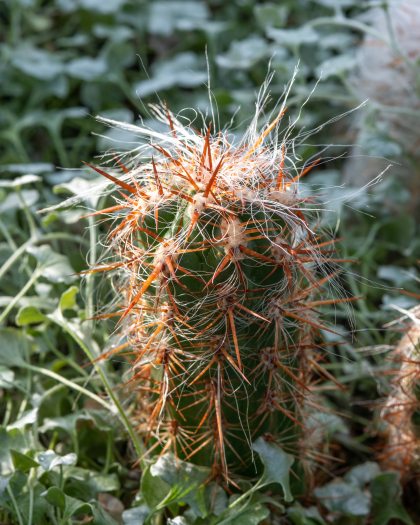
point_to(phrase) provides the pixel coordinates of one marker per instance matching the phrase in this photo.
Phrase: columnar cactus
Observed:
(402, 446)
(218, 264)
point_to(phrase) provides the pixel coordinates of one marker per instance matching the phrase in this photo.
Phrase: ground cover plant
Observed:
(73, 424)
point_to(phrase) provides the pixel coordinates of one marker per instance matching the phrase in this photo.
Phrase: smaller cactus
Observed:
(218, 265)
(402, 447)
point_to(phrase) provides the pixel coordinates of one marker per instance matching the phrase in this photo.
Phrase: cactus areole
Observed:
(218, 264)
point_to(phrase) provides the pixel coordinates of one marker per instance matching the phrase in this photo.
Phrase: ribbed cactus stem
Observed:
(218, 265)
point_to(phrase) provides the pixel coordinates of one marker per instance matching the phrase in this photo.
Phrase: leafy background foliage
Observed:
(64, 452)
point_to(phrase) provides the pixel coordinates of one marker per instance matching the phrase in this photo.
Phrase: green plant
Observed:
(218, 263)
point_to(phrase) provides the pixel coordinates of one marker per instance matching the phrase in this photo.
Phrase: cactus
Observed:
(218, 265)
(402, 444)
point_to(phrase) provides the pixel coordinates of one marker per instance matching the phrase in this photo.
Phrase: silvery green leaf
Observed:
(31, 167)
(14, 347)
(184, 70)
(116, 33)
(136, 516)
(270, 14)
(99, 6)
(244, 54)
(363, 474)
(54, 266)
(87, 68)
(117, 138)
(293, 37)
(14, 201)
(305, 515)
(335, 66)
(277, 464)
(37, 63)
(49, 459)
(179, 520)
(251, 512)
(184, 481)
(166, 16)
(67, 423)
(345, 498)
(19, 181)
(338, 3)
(7, 377)
(27, 418)
(87, 189)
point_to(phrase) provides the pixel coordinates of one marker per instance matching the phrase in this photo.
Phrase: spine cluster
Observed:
(218, 266)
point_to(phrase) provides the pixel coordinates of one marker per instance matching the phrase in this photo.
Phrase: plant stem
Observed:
(67, 382)
(352, 24)
(138, 445)
(18, 251)
(15, 505)
(22, 292)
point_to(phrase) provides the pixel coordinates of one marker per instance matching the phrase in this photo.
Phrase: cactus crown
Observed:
(218, 265)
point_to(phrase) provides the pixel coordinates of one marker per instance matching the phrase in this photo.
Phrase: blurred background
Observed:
(63, 62)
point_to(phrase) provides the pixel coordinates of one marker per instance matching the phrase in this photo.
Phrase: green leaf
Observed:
(277, 464)
(395, 274)
(108, 7)
(336, 66)
(68, 299)
(271, 15)
(363, 474)
(32, 167)
(345, 498)
(14, 202)
(305, 516)
(244, 54)
(7, 377)
(28, 315)
(4, 482)
(185, 481)
(101, 517)
(386, 500)
(153, 489)
(22, 462)
(88, 189)
(166, 16)
(68, 422)
(14, 347)
(333, 4)
(36, 63)
(49, 459)
(217, 498)
(54, 266)
(18, 182)
(86, 484)
(293, 37)
(69, 506)
(27, 418)
(136, 516)
(252, 512)
(184, 70)
(56, 497)
(253, 515)
(179, 520)
(87, 68)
